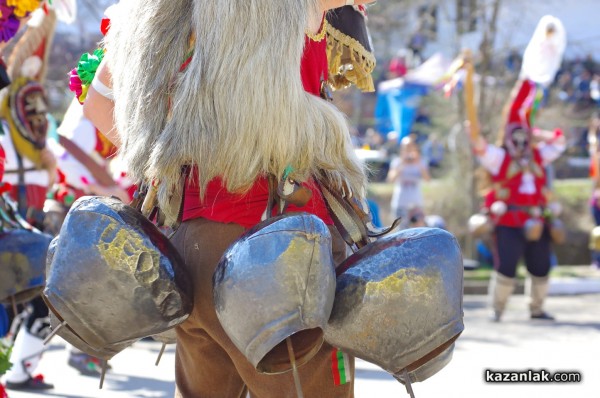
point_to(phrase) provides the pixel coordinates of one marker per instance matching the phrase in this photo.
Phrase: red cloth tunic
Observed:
(507, 184)
(246, 209)
(2, 160)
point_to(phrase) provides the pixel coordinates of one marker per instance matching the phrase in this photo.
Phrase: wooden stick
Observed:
(14, 306)
(54, 332)
(104, 367)
(469, 95)
(299, 393)
(160, 354)
(407, 384)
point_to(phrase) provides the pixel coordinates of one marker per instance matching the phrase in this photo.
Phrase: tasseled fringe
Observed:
(344, 50)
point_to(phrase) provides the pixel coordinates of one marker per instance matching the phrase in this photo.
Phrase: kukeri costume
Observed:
(518, 202)
(261, 229)
(24, 127)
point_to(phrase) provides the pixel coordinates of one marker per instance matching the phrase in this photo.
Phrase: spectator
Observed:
(433, 151)
(416, 45)
(398, 65)
(406, 172)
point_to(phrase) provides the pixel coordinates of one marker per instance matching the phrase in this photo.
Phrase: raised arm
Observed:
(99, 104)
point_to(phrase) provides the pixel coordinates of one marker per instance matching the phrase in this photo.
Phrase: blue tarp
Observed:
(4, 326)
(397, 107)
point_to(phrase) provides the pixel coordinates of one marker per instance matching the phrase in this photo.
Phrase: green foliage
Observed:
(5, 351)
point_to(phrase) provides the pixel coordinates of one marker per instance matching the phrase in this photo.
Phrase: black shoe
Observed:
(32, 384)
(544, 316)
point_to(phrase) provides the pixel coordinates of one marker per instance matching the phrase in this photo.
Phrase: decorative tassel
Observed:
(343, 49)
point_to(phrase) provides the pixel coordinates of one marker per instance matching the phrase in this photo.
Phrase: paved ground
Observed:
(570, 344)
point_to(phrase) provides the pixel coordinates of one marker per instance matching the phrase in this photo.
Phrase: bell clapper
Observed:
(162, 350)
(14, 305)
(294, 368)
(104, 367)
(54, 332)
(407, 384)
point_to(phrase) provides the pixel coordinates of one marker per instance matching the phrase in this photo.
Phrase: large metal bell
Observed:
(594, 243)
(429, 368)
(398, 302)
(22, 264)
(277, 282)
(65, 332)
(114, 278)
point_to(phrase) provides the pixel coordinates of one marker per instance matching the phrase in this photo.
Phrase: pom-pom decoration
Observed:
(81, 77)
(12, 12)
(22, 8)
(88, 64)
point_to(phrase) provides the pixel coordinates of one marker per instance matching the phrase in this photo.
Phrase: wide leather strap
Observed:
(345, 217)
(350, 219)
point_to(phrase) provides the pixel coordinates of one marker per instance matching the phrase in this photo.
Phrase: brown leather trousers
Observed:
(208, 365)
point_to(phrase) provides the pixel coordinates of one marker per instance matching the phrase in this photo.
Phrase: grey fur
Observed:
(239, 110)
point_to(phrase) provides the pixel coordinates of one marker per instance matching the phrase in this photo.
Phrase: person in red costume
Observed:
(227, 195)
(518, 203)
(518, 200)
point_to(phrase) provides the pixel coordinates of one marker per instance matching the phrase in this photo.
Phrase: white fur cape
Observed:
(238, 110)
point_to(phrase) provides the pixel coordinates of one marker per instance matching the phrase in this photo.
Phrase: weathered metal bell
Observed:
(429, 368)
(55, 214)
(398, 301)
(595, 239)
(533, 229)
(65, 332)
(22, 264)
(558, 232)
(166, 337)
(274, 282)
(480, 225)
(114, 277)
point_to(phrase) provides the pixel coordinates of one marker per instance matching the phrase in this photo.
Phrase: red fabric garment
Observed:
(507, 190)
(313, 68)
(2, 160)
(398, 67)
(220, 205)
(246, 209)
(35, 194)
(522, 106)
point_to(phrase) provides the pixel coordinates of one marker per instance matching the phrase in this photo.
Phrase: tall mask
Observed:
(517, 139)
(27, 108)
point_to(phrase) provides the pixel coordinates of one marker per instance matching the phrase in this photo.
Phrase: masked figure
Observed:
(226, 129)
(29, 167)
(518, 201)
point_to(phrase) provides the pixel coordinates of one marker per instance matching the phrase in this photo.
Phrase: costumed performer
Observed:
(518, 199)
(186, 82)
(29, 167)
